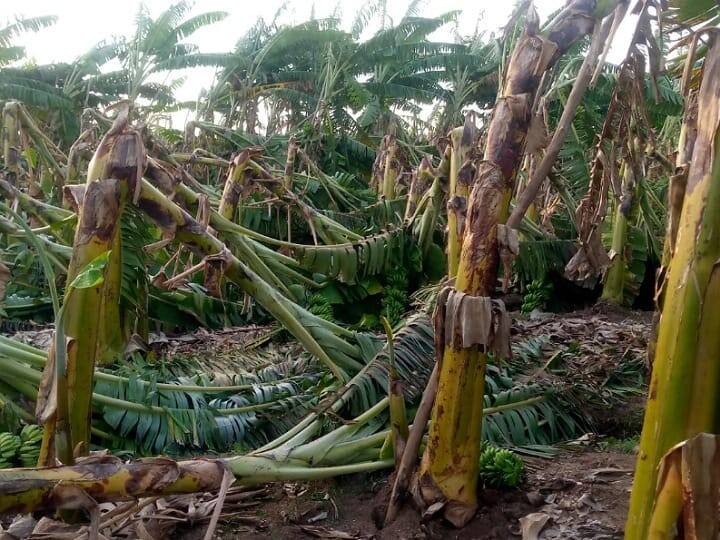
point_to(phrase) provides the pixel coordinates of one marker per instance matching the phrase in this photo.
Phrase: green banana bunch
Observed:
(9, 446)
(31, 437)
(538, 292)
(500, 468)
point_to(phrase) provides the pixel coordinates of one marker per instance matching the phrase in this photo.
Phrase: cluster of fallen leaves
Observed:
(151, 518)
(598, 340)
(572, 505)
(600, 355)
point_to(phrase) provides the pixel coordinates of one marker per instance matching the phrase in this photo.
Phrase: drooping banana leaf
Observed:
(349, 262)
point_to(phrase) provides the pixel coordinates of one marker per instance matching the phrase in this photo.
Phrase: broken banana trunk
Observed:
(102, 479)
(462, 171)
(235, 186)
(88, 326)
(469, 326)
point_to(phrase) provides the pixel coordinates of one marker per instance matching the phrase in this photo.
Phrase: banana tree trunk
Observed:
(104, 479)
(89, 329)
(682, 398)
(678, 181)
(614, 287)
(392, 171)
(678, 184)
(107, 479)
(424, 220)
(449, 469)
(460, 180)
(11, 142)
(234, 184)
(293, 147)
(421, 181)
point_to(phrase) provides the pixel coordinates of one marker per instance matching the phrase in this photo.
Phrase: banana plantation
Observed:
(370, 283)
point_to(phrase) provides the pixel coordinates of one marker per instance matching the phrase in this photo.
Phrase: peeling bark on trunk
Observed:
(90, 320)
(449, 468)
(688, 490)
(578, 91)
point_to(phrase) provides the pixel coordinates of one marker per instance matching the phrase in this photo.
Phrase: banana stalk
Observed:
(88, 327)
(682, 398)
(449, 468)
(460, 180)
(11, 142)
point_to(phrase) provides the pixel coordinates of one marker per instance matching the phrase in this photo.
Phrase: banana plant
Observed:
(449, 468)
(686, 338)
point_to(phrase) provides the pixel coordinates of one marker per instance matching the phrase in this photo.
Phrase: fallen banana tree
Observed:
(306, 451)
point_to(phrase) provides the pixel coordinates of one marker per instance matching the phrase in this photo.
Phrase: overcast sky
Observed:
(83, 23)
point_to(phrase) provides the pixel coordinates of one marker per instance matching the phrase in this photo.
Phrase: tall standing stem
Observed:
(682, 397)
(449, 469)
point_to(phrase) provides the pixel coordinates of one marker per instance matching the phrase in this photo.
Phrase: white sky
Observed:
(83, 23)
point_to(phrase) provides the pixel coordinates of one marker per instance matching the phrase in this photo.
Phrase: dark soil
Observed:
(584, 493)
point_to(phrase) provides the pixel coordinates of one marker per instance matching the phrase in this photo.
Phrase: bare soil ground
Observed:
(579, 494)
